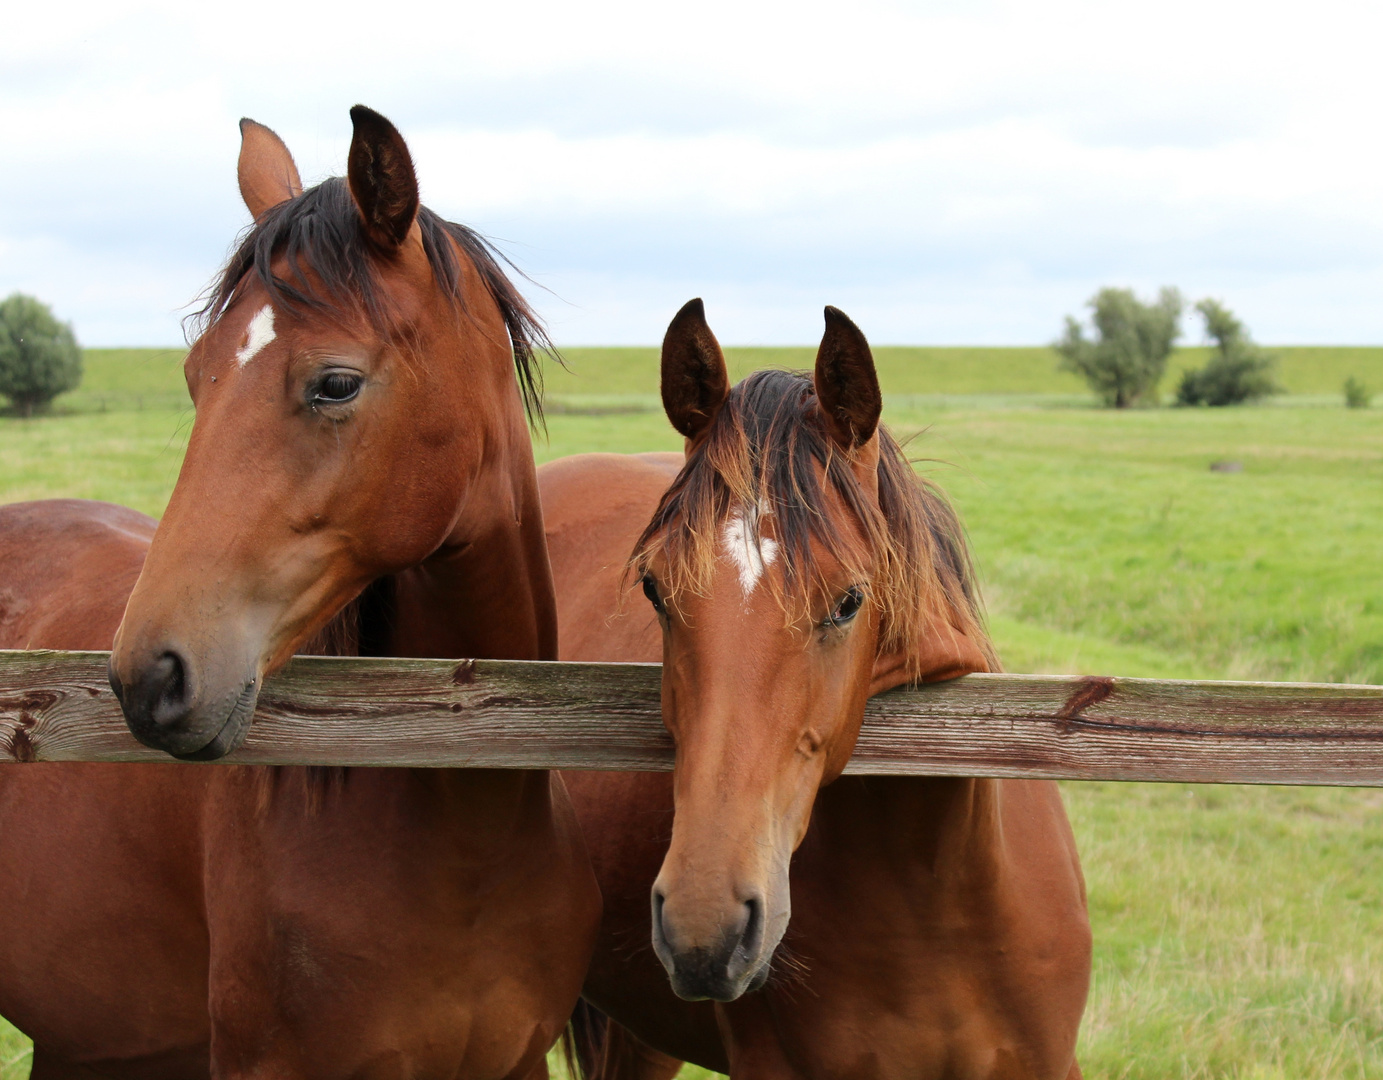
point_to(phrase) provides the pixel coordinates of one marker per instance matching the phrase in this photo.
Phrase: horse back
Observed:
(67, 567)
(595, 506)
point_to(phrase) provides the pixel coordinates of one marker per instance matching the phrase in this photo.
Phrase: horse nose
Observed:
(157, 699)
(718, 969)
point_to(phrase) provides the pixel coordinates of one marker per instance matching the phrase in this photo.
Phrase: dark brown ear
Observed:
(266, 171)
(695, 382)
(847, 387)
(380, 173)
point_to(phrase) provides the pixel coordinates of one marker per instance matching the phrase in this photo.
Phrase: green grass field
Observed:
(1317, 371)
(1236, 928)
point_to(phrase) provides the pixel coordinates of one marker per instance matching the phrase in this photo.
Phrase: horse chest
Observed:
(370, 930)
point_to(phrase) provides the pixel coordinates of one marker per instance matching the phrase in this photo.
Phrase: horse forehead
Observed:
(750, 551)
(259, 333)
(748, 541)
(259, 329)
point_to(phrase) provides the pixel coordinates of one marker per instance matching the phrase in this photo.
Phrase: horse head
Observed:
(355, 399)
(797, 567)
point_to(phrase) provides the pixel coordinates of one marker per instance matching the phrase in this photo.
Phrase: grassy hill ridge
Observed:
(918, 369)
(120, 379)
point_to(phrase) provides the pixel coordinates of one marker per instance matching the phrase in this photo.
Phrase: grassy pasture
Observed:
(960, 371)
(1236, 928)
(120, 436)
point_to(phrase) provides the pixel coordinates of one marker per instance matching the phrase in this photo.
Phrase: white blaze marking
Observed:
(751, 553)
(260, 333)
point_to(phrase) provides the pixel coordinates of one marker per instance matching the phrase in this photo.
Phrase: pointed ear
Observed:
(382, 182)
(847, 387)
(695, 382)
(946, 653)
(266, 171)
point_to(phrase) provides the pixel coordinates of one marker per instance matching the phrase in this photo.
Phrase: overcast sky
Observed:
(947, 173)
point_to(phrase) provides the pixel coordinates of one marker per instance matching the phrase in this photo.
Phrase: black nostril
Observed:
(157, 698)
(752, 939)
(167, 679)
(659, 937)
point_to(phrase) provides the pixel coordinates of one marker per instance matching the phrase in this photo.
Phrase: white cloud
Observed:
(947, 172)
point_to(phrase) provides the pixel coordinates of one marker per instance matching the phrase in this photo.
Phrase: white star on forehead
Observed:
(751, 552)
(260, 333)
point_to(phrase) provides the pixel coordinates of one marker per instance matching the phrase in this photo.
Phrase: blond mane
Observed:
(767, 449)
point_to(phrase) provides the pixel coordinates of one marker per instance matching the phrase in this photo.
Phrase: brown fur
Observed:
(89, 554)
(769, 448)
(938, 927)
(185, 920)
(311, 254)
(266, 172)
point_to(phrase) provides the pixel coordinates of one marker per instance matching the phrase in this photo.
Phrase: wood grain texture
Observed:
(517, 714)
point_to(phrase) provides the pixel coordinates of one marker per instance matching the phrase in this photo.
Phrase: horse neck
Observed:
(948, 831)
(487, 592)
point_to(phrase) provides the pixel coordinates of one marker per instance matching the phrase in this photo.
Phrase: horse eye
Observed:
(847, 607)
(650, 590)
(336, 388)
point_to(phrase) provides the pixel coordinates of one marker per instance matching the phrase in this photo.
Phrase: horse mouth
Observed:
(693, 979)
(233, 732)
(185, 738)
(758, 980)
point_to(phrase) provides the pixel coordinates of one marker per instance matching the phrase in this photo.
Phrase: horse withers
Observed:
(765, 915)
(359, 479)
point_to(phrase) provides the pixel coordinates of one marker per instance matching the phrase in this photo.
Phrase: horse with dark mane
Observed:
(802, 923)
(359, 479)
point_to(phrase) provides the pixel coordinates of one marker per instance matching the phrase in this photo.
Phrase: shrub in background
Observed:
(39, 356)
(1357, 395)
(1239, 370)
(1128, 356)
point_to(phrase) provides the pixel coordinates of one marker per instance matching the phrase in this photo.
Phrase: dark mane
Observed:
(767, 448)
(320, 232)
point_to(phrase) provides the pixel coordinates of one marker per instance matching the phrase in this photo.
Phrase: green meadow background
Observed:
(1238, 931)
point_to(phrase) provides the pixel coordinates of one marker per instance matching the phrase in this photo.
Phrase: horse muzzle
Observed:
(167, 706)
(720, 965)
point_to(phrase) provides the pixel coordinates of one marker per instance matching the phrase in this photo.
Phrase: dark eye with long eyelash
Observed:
(847, 607)
(650, 590)
(336, 388)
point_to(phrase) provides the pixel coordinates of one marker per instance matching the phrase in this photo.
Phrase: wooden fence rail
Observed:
(57, 706)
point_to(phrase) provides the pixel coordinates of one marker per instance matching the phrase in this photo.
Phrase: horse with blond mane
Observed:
(764, 915)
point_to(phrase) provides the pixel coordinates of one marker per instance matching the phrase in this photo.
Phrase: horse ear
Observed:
(381, 177)
(266, 171)
(695, 382)
(847, 387)
(945, 653)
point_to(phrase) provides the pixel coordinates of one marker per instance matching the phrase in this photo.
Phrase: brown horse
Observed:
(359, 479)
(795, 566)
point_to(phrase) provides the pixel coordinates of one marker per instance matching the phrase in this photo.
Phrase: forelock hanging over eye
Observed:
(846, 607)
(650, 590)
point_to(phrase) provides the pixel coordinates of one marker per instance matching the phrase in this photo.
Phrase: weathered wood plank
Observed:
(1128, 729)
(512, 714)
